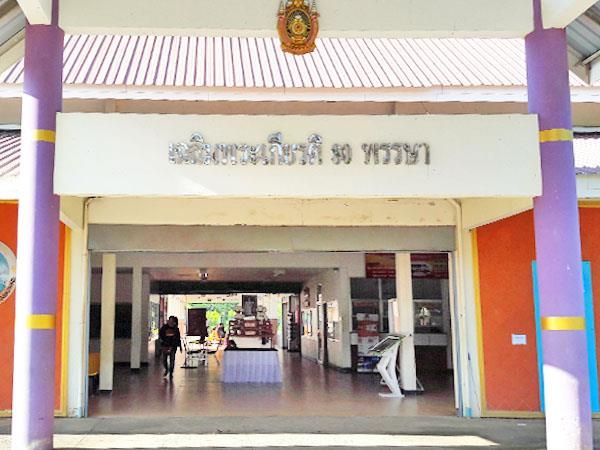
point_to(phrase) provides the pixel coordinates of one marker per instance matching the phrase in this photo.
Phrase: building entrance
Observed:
(324, 311)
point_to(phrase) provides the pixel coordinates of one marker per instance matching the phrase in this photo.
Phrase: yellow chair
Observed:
(94, 371)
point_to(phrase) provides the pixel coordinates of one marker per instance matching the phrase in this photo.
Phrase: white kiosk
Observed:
(387, 350)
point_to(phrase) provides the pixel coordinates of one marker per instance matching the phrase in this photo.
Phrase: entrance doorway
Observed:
(316, 316)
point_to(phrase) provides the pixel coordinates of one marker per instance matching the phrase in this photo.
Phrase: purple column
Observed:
(37, 245)
(558, 245)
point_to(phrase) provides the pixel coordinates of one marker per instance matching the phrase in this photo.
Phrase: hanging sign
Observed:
(8, 272)
(429, 265)
(298, 25)
(380, 265)
(423, 265)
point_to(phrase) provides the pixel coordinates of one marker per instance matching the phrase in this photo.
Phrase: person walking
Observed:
(221, 332)
(170, 340)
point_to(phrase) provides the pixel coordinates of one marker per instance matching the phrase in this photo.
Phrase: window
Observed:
(370, 296)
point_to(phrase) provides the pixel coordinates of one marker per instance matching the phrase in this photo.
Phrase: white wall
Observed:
(177, 306)
(335, 287)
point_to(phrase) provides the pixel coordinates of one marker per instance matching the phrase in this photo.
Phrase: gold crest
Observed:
(298, 25)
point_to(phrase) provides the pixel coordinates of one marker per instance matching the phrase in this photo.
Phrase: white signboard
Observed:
(297, 156)
(519, 339)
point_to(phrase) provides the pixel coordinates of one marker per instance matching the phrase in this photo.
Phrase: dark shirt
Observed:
(169, 336)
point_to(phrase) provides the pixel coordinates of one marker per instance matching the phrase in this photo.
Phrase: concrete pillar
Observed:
(78, 326)
(558, 246)
(137, 324)
(107, 327)
(406, 322)
(38, 235)
(145, 316)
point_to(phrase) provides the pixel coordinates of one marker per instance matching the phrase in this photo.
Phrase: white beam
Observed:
(107, 320)
(12, 34)
(271, 212)
(595, 72)
(71, 211)
(481, 211)
(577, 67)
(136, 317)
(358, 18)
(12, 51)
(560, 13)
(191, 239)
(38, 12)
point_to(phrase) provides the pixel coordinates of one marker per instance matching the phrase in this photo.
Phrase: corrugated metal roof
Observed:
(586, 149)
(10, 152)
(587, 154)
(194, 62)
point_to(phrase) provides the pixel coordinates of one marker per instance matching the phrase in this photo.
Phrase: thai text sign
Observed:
(246, 156)
(380, 265)
(276, 152)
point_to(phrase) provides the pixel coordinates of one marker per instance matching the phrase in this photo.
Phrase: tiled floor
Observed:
(307, 390)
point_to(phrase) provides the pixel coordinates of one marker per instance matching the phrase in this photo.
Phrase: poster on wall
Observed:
(368, 336)
(333, 321)
(8, 272)
(380, 265)
(249, 305)
(429, 265)
(307, 315)
(423, 265)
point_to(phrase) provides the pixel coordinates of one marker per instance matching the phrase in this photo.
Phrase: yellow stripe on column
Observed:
(556, 135)
(45, 135)
(563, 323)
(41, 321)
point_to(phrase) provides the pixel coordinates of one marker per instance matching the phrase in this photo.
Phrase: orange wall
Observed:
(590, 251)
(8, 235)
(505, 251)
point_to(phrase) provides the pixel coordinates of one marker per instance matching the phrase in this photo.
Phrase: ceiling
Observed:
(234, 275)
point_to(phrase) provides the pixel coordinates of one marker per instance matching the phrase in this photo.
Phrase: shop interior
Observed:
(310, 329)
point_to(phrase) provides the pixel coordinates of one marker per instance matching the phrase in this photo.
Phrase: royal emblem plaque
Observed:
(298, 25)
